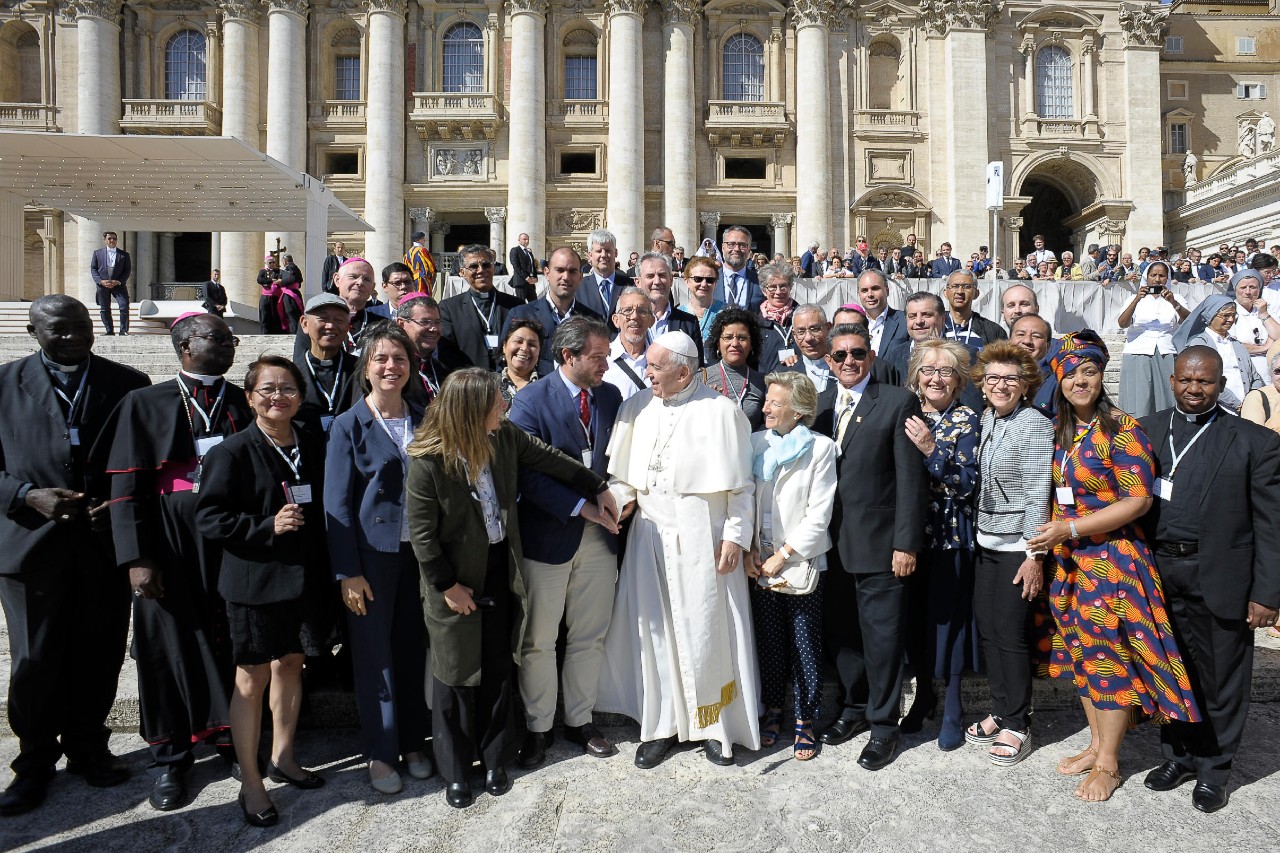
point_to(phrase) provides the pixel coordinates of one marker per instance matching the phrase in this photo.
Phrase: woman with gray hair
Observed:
(795, 478)
(942, 637)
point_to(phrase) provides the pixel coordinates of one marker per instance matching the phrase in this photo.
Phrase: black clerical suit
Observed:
(329, 388)
(424, 387)
(65, 602)
(881, 494)
(1216, 544)
(180, 641)
(468, 318)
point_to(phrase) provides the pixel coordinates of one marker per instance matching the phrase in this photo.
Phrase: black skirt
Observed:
(261, 633)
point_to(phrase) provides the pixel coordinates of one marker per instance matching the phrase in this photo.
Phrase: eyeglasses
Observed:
(961, 286)
(944, 372)
(635, 312)
(423, 324)
(809, 331)
(729, 339)
(668, 242)
(991, 380)
(857, 354)
(774, 288)
(220, 338)
(485, 265)
(703, 279)
(286, 391)
(729, 245)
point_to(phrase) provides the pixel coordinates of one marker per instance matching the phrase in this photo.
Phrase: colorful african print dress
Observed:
(1114, 636)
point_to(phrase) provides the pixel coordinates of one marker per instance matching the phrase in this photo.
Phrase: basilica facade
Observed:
(479, 120)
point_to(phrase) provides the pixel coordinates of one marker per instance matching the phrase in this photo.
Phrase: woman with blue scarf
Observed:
(795, 478)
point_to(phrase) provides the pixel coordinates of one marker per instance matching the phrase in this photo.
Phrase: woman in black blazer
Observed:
(260, 500)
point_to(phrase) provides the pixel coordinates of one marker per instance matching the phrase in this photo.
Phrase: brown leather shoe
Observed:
(590, 739)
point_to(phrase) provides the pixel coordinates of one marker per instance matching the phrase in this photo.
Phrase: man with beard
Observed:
(180, 636)
(628, 366)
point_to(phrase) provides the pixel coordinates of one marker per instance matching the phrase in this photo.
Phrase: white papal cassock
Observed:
(680, 654)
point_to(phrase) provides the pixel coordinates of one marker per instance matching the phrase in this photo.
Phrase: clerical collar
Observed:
(61, 368)
(201, 378)
(1198, 419)
(681, 397)
(322, 362)
(482, 296)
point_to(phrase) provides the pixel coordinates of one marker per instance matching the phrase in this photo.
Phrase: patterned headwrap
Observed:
(1076, 349)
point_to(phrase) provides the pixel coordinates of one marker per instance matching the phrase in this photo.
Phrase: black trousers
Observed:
(863, 623)
(471, 721)
(1218, 654)
(67, 628)
(104, 297)
(1004, 624)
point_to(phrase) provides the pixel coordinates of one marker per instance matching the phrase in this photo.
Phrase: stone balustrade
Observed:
(186, 118)
(762, 114)
(340, 113)
(1234, 176)
(28, 117)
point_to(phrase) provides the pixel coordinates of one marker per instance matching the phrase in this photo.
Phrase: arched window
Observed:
(184, 67)
(743, 68)
(885, 90)
(464, 58)
(346, 64)
(580, 71)
(1053, 83)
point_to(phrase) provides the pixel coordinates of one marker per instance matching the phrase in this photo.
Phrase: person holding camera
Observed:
(1150, 320)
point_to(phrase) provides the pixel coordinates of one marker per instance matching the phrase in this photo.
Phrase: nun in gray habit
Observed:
(1209, 325)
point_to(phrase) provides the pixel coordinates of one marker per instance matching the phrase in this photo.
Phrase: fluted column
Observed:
(625, 207)
(287, 103)
(97, 111)
(813, 129)
(384, 139)
(710, 220)
(781, 223)
(497, 217)
(527, 186)
(679, 202)
(241, 250)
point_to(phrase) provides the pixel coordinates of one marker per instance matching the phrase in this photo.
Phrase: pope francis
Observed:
(679, 655)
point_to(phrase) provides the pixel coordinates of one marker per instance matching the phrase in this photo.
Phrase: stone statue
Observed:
(1266, 134)
(445, 162)
(1189, 164)
(1245, 140)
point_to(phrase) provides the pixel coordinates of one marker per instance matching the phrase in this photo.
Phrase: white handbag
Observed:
(798, 578)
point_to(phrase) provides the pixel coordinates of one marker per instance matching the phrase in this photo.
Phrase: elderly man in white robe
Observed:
(679, 655)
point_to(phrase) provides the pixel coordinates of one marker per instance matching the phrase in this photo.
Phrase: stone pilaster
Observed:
(813, 20)
(527, 185)
(710, 220)
(384, 145)
(497, 217)
(287, 104)
(241, 116)
(679, 160)
(625, 165)
(1142, 29)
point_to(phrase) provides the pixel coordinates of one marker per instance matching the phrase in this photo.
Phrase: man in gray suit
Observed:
(110, 268)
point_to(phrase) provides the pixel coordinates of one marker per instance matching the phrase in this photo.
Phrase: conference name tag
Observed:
(1064, 496)
(784, 354)
(300, 493)
(209, 442)
(586, 458)
(491, 341)
(1164, 489)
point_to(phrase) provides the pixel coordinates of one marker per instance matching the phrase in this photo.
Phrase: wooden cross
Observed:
(279, 250)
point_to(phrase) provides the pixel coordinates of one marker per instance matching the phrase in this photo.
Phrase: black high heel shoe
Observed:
(925, 707)
(267, 817)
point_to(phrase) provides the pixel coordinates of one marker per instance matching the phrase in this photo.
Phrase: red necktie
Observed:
(584, 410)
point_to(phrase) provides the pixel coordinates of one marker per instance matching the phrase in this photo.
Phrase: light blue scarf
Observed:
(781, 450)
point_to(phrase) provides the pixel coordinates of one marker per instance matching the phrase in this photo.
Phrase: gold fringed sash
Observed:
(709, 715)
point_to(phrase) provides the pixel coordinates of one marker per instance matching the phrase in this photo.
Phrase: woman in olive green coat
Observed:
(461, 499)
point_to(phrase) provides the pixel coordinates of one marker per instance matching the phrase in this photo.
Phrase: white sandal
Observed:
(1019, 752)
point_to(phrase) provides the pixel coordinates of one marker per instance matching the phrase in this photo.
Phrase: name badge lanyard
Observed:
(209, 418)
(728, 389)
(1173, 449)
(1067, 455)
(330, 397)
(402, 444)
(293, 458)
(73, 404)
(431, 382)
(353, 332)
(488, 321)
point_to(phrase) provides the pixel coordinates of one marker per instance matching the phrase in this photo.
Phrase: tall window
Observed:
(580, 77)
(743, 68)
(346, 78)
(464, 59)
(1178, 138)
(184, 67)
(1053, 83)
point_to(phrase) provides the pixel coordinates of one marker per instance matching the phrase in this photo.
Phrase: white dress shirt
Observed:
(617, 377)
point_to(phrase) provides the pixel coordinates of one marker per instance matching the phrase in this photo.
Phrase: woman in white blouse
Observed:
(1150, 320)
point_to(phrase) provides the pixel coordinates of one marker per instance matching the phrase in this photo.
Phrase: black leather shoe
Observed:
(23, 794)
(715, 754)
(267, 817)
(497, 782)
(651, 752)
(589, 738)
(534, 750)
(1209, 798)
(100, 771)
(169, 791)
(1168, 776)
(841, 730)
(458, 795)
(923, 708)
(878, 753)
(307, 782)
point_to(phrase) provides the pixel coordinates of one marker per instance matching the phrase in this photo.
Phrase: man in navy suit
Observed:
(655, 279)
(602, 284)
(739, 283)
(885, 322)
(570, 549)
(110, 268)
(564, 276)
(945, 265)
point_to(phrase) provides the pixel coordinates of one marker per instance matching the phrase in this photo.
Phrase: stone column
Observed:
(527, 187)
(679, 117)
(241, 250)
(1088, 58)
(438, 232)
(710, 224)
(625, 164)
(781, 223)
(97, 112)
(384, 136)
(51, 236)
(287, 103)
(1142, 30)
(497, 217)
(1028, 49)
(167, 261)
(144, 264)
(813, 20)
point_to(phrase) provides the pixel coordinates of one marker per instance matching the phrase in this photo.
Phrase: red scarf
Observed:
(779, 316)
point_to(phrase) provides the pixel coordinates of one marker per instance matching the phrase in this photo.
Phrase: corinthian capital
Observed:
(1143, 24)
(391, 7)
(107, 10)
(943, 16)
(626, 7)
(241, 10)
(537, 7)
(821, 13)
(495, 214)
(297, 7)
(681, 11)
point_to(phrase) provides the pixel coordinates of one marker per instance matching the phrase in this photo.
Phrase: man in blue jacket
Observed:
(570, 550)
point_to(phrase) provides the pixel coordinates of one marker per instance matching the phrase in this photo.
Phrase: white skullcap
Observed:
(678, 343)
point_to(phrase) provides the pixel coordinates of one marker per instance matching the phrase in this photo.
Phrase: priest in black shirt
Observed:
(65, 602)
(180, 637)
(328, 370)
(1213, 526)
